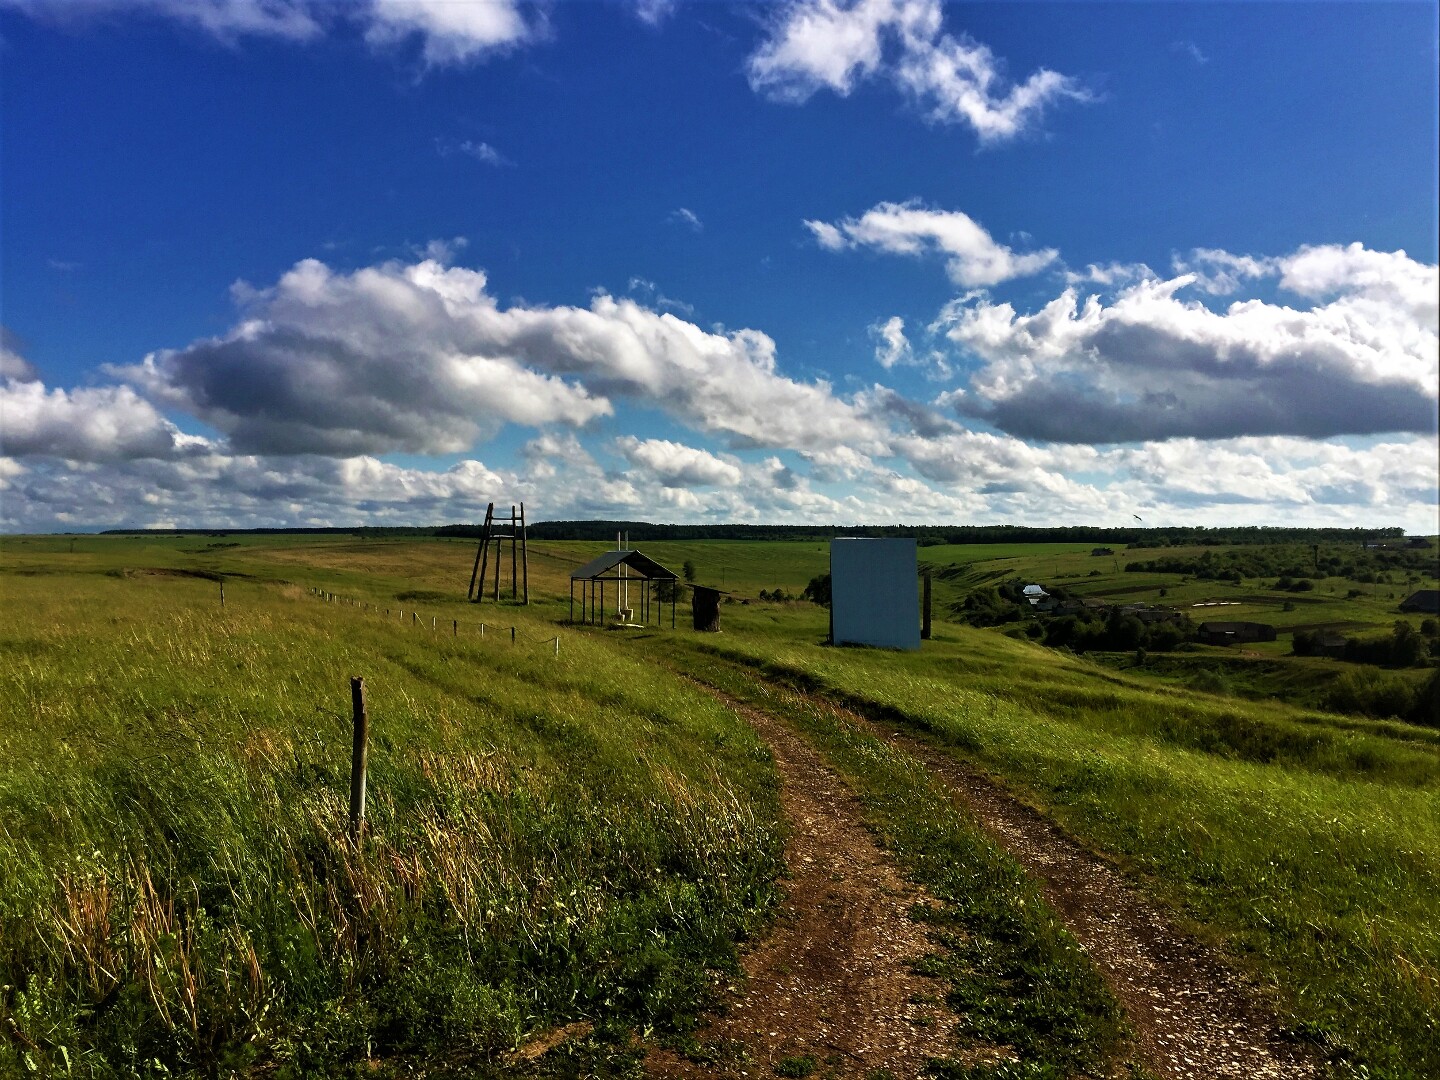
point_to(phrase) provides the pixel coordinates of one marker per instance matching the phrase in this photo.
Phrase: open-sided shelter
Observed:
(622, 569)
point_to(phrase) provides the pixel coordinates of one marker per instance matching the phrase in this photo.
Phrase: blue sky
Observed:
(275, 262)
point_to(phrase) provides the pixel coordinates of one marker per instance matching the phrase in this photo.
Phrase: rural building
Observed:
(1425, 602)
(1234, 633)
(705, 608)
(1034, 593)
(874, 593)
(1331, 643)
(1148, 613)
(1102, 551)
(623, 568)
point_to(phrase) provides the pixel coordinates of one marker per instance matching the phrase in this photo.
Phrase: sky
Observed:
(381, 262)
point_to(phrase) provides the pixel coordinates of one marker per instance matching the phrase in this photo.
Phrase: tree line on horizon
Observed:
(925, 535)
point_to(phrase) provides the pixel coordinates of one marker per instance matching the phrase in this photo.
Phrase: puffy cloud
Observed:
(965, 476)
(1285, 475)
(95, 424)
(835, 45)
(973, 258)
(891, 346)
(450, 32)
(420, 357)
(1150, 365)
(12, 364)
(677, 465)
(1387, 278)
(362, 363)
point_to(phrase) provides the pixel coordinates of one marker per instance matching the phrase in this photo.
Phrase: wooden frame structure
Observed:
(623, 568)
(492, 534)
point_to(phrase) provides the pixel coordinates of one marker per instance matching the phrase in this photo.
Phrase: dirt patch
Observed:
(167, 571)
(1194, 1017)
(831, 989)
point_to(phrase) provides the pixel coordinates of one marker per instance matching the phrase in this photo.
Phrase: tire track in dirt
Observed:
(1194, 1017)
(833, 979)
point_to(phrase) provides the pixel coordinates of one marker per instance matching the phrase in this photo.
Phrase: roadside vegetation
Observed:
(551, 839)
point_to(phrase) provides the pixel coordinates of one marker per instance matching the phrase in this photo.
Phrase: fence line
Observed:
(415, 618)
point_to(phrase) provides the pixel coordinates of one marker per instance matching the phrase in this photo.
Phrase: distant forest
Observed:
(926, 535)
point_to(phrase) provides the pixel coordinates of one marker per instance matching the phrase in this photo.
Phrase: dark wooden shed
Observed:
(705, 608)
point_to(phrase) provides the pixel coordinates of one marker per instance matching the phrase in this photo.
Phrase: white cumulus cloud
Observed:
(89, 424)
(420, 357)
(677, 465)
(834, 45)
(973, 258)
(1152, 364)
(450, 31)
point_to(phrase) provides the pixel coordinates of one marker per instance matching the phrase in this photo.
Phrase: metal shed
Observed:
(622, 568)
(874, 594)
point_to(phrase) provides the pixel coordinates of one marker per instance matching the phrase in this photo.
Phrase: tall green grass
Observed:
(1308, 845)
(550, 838)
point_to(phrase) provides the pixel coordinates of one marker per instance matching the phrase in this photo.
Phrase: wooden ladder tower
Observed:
(519, 567)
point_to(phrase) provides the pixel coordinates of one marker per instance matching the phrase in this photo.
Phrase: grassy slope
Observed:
(1308, 844)
(552, 838)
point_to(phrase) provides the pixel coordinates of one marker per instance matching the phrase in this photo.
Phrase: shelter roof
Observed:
(643, 565)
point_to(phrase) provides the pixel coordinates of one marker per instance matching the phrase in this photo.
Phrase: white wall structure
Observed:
(874, 598)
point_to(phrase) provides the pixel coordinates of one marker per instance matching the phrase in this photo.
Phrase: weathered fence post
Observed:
(222, 594)
(357, 758)
(557, 644)
(454, 627)
(925, 620)
(512, 635)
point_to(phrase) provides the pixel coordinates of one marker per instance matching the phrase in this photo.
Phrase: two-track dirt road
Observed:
(833, 982)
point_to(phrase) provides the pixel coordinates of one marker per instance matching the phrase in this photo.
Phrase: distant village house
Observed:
(1234, 633)
(1423, 602)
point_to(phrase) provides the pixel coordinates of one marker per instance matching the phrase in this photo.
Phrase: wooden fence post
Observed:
(222, 594)
(512, 635)
(925, 619)
(357, 757)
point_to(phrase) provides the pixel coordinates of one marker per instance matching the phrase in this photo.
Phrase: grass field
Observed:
(587, 836)
(551, 837)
